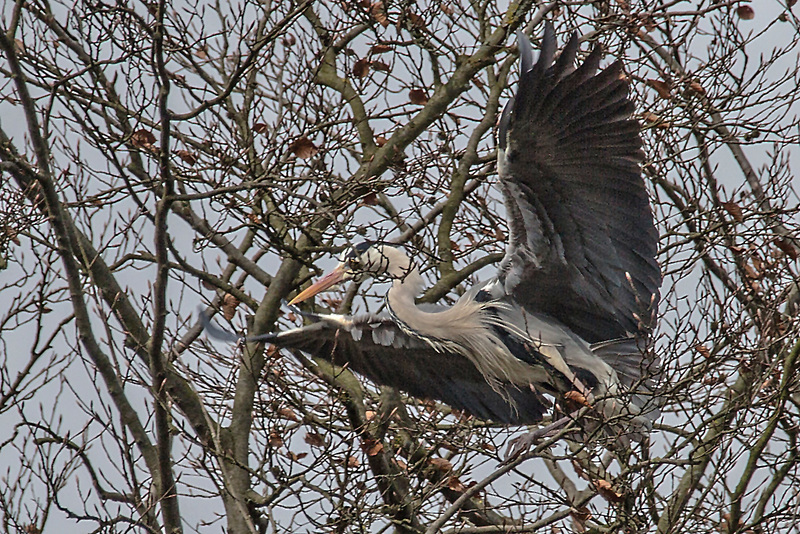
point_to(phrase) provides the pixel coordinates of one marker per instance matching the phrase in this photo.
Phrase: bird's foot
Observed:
(522, 444)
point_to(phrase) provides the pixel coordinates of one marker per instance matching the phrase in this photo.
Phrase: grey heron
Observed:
(576, 294)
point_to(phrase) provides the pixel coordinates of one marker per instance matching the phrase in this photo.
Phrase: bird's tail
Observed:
(629, 412)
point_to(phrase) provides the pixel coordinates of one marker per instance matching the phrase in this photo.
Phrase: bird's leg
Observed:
(522, 444)
(554, 358)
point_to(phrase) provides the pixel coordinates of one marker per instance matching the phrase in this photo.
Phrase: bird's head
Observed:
(368, 259)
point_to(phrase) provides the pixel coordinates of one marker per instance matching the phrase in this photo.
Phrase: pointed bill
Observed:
(326, 282)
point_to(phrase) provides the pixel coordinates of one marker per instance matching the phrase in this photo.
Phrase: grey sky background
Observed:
(58, 397)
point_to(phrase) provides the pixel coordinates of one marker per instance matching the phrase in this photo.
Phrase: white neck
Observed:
(407, 282)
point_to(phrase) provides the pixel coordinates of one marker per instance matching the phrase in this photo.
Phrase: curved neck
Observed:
(407, 286)
(407, 283)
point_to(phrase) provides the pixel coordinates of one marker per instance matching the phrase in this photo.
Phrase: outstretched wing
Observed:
(376, 348)
(582, 246)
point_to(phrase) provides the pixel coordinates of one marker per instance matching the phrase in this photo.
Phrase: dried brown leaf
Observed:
(180, 78)
(303, 148)
(370, 199)
(703, 351)
(751, 272)
(745, 12)
(577, 397)
(696, 88)
(734, 210)
(288, 40)
(187, 157)
(260, 128)
(579, 470)
(314, 439)
(288, 413)
(296, 456)
(418, 97)
(332, 302)
(380, 65)
(762, 389)
(455, 484)
(380, 48)
(787, 248)
(361, 68)
(441, 464)
(143, 139)
(758, 263)
(579, 518)
(372, 447)
(229, 305)
(663, 88)
(649, 23)
(378, 13)
(381, 140)
(275, 440)
(353, 462)
(415, 20)
(654, 121)
(606, 490)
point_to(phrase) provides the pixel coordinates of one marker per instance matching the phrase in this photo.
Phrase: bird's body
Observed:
(576, 293)
(475, 326)
(514, 356)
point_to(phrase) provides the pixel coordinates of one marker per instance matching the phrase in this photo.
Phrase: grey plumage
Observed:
(577, 291)
(582, 243)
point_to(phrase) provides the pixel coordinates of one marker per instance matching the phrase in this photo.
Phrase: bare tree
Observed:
(156, 157)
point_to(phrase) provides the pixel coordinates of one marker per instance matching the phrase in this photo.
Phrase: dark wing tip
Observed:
(525, 51)
(546, 53)
(548, 49)
(214, 331)
(221, 334)
(566, 61)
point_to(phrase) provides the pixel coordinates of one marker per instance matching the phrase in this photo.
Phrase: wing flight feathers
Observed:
(376, 348)
(582, 242)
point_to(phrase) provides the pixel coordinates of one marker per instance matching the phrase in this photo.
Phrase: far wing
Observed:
(582, 246)
(376, 348)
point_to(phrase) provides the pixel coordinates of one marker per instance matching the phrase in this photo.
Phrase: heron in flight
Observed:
(576, 294)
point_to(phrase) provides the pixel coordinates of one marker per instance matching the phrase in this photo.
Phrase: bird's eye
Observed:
(352, 264)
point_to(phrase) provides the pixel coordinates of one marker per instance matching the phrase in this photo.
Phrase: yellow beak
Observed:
(331, 279)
